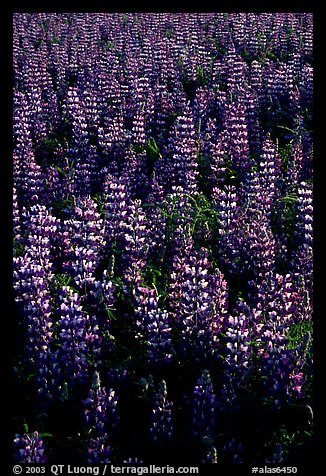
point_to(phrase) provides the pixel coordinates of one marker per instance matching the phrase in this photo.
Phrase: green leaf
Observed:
(289, 198)
(25, 426)
(61, 170)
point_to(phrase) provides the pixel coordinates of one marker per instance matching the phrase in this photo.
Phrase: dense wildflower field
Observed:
(163, 219)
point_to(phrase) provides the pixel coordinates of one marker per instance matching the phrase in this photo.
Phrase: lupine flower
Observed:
(146, 301)
(135, 244)
(302, 259)
(101, 301)
(116, 209)
(162, 426)
(78, 337)
(156, 329)
(184, 149)
(261, 189)
(204, 407)
(197, 312)
(237, 363)
(157, 225)
(29, 449)
(134, 460)
(101, 417)
(211, 456)
(249, 248)
(16, 218)
(237, 136)
(33, 277)
(233, 451)
(135, 172)
(81, 239)
(278, 455)
(99, 451)
(219, 154)
(281, 365)
(235, 70)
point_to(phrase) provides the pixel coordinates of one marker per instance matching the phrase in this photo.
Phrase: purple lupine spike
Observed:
(255, 138)
(87, 175)
(157, 332)
(135, 244)
(196, 312)
(267, 174)
(78, 336)
(133, 460)
(116, 209)
(100, 406)
(204, 103)
(16, 218)
(233, 451)
(119, 379)
(138, 130)
(302, 261)
(278, 307)
(102, 299)
(33, 278)
(80, 142)
(163, 110)
(39, 125)
(237, 362)
(75, 111)
(308, 154)
(278, 455)
(157, 223)
(83, 239)
(256, 75)
(303, 230)
(306, 87)
(252, 44)
(277, 294)
(99, 451)
(236, 71)
(249, 248)
(219, 155)
(29, 179)
(307, 44)
(294, 168)
(211, 456)
(237, 134)
(135, 173)
(90, 106)
(184, 153)
(50, 378)
(204, 407)
(21, 124)
(29, 448)
(299, 376)
(162, 424)
(101, 417)
(145, 302)
(225, 201)
(285, 380)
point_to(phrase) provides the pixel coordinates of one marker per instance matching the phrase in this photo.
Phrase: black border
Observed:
(6, 183)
